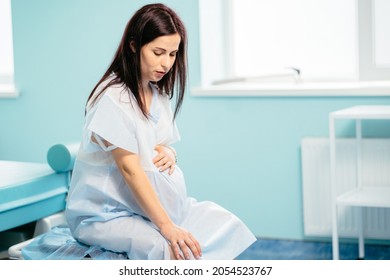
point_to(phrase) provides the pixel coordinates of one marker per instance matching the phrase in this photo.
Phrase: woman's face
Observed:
(158, 57)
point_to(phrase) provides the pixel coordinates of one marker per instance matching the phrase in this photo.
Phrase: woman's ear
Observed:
(132, 46)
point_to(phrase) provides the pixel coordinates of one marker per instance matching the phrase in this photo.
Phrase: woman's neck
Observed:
(147, 96)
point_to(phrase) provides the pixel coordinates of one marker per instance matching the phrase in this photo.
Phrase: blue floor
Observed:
(271, 249)
(274, 249)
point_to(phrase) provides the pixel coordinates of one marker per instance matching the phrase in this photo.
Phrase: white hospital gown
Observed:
(101, 208)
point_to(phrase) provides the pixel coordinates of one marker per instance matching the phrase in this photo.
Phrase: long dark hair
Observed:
(148, 23)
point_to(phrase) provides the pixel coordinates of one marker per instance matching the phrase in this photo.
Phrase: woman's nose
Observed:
(167, 62)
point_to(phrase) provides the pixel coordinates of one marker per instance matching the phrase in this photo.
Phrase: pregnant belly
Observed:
(171, 191)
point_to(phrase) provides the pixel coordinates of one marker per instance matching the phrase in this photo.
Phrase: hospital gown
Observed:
(102, 210)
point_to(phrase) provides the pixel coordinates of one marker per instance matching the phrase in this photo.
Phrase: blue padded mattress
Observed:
(29, 192)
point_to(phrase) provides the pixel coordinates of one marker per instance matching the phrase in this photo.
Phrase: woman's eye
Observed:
(157, 53)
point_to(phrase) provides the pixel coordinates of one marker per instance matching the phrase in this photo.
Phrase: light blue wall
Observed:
(243, 153)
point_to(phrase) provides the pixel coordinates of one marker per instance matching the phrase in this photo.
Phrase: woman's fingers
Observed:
(184, 248)
(165, 164)
(163, 152)
(164, 161)
(195, 247)
(183, 245)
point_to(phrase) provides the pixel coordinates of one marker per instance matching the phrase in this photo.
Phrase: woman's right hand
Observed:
(182, 242)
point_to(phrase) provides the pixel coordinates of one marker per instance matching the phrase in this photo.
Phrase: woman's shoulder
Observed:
(114, 90)
(116, 93)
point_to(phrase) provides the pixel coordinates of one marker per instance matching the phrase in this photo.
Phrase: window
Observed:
(291, 42)
(381, 33)
(307, 35)
(7, 88)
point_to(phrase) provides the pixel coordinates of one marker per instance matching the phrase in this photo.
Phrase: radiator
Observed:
(316, 185)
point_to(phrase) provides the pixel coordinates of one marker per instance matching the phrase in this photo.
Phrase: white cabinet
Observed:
(362, 196)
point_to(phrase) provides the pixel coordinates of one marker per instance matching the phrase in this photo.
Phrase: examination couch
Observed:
(39, 194)
(29, 192)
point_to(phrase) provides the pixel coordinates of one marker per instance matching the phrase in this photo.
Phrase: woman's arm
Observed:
(135, 177)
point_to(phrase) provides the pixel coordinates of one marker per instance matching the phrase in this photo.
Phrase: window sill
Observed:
(8, 91)
(309, 89)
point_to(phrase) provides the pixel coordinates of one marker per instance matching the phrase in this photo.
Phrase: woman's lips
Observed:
(160, 74)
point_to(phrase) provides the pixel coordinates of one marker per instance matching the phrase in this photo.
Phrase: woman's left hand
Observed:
(165, 159)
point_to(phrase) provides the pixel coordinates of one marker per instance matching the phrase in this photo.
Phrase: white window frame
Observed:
(214, 25)
(7, 86)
